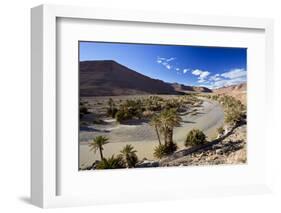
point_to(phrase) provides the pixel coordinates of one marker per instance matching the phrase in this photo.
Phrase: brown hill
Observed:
(184, 88)
(238, 91)
(106, 78)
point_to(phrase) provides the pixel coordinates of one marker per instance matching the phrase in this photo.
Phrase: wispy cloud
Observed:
(170, 59)
(235, 73)
(227, 82)
(232, 77)
(202, 75)
(165, 62)
(215, 77)
(185, 70)
(170, 64)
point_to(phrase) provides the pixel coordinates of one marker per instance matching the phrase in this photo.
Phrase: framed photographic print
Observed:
(188, 107)
(129, 106)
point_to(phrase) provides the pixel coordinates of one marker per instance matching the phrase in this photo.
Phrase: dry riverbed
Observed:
(141, 135)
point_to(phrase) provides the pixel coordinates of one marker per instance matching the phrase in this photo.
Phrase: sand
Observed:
(143, 137)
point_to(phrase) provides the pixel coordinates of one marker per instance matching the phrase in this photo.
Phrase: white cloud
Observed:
(227, 82)
(165, 62)
(196, 72)
(232, 77)
(235, 73)
(170, 59)
(177, 69)
(202, 75)
(201, 80)
(215, 77)
(185, 70)
(168, 66)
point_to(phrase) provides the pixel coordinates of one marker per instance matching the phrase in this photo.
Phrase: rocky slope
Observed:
(237, 91)
(230, 150)
(183, 88)
(109, 78)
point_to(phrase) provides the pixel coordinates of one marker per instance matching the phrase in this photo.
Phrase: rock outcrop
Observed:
(230, 150)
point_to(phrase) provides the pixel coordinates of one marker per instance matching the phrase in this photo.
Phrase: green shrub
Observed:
(148, 114)
(97, 121)
(128, 110)
(122, 115)
(220, 130)
(128, 153)
(171, 147)
(83, 110)
(234, 115)
(195, 137)
(234, 110)
(119, 116)
(111, 163)
(163, 150)
(112, 112)
(160, 151)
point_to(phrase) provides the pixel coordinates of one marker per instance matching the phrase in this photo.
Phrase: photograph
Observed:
(161, 105)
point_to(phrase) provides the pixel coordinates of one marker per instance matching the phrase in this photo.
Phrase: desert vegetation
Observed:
(195, 137)
(166, 121)
(83, 108)
(97, 144)
(128, 154)
(163, 115)
(235, 111)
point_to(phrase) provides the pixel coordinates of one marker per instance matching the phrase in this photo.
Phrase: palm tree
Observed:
(174, 121)
(98, 143)
(164, 124)
(111, 163)
(155, 122)
(111, 103)
(168, 120)
(129, 155)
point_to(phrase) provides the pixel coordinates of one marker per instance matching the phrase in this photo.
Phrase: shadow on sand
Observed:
(92, 129)
(135, 122)
(189, 122)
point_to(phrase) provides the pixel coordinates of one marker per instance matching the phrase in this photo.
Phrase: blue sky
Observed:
(190, 65)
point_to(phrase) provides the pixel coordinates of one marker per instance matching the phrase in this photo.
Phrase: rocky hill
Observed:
(107, 78)
(184, 88)
(238, 91)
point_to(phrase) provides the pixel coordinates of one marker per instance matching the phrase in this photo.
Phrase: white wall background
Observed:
(15, 103)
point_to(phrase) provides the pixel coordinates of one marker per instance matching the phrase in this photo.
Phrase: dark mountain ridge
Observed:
(109, 78)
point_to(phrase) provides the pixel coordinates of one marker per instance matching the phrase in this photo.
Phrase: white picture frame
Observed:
(44, 150)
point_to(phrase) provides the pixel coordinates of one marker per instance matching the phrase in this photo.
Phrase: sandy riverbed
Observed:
(143, 137)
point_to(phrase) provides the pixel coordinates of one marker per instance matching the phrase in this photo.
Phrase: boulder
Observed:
(147, 164)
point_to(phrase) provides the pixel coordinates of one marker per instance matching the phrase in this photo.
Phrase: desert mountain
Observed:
(184, 88)
(238, 91)
(105, 78)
